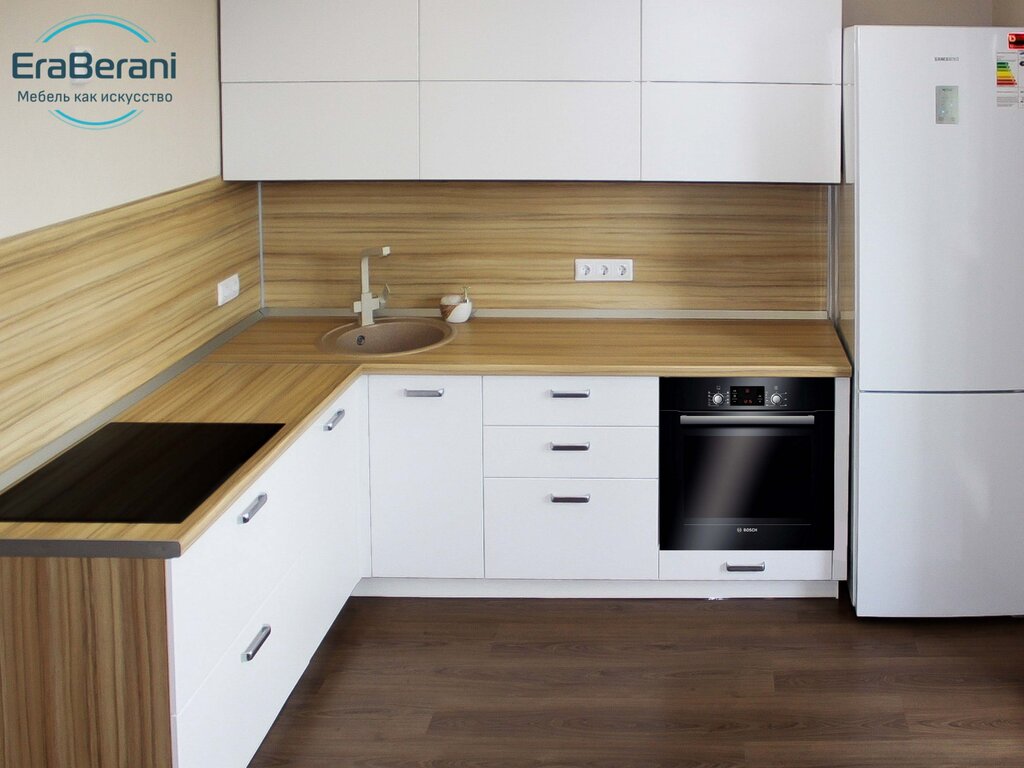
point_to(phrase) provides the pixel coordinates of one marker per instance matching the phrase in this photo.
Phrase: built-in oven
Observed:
(746, 463)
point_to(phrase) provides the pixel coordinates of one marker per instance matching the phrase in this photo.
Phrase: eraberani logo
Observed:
(115, 78)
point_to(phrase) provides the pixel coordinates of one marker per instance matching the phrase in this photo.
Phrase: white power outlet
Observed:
(227, 290)
(604, 270)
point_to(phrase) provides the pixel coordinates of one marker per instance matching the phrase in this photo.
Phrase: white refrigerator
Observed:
(931, 305)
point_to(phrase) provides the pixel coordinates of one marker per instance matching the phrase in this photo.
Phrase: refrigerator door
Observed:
(939, 515)
(939, 165)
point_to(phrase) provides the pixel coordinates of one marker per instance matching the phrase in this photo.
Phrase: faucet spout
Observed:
(367, 301)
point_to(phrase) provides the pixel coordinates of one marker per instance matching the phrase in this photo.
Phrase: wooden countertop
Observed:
(273, 372)
(633, 347)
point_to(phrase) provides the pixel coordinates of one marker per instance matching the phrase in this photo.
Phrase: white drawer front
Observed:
(627, 452)
(779, 565)
(629, 401)
(223, 577)
(612, 536)
(224, 724)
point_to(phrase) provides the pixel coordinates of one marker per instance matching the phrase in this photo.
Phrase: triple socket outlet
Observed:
(604, 270)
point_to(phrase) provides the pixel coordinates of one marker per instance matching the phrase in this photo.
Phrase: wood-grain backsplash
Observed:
(92, 308)
(694, 246)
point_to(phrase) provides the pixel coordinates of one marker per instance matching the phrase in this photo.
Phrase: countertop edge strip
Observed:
(162, 550)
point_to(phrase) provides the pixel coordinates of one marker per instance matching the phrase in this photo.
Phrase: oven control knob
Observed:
(717, 399)
(776, 399)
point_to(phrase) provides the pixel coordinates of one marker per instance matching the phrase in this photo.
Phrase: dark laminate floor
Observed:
(619, 683)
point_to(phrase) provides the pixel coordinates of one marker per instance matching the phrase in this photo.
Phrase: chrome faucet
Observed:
(367, 301)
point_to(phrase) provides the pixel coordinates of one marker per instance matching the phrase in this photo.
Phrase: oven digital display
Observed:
(746, 395)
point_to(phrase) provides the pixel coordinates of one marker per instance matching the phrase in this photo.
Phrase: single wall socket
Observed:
(604, 270)
(227, 290)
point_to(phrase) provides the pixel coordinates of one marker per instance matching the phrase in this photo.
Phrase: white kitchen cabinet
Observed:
(571, 529)
(570, 498)
(571, 400)
(529, 130)
(313, 40)
(741, 132)
(426, 476)
(595, 40)
(290, 567)
(743, 41)
(320, 130)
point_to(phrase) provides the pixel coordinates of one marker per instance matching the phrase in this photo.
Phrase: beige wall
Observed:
(51, 171)
(1008, 13)
(969, 13)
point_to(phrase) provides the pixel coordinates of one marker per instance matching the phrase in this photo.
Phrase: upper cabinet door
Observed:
(530, 40)
(318, 40)
(746, 41)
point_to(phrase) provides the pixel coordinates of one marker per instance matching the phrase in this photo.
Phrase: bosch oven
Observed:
(746, 463)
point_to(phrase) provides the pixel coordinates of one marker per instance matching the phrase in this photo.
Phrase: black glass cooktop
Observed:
(133, 472)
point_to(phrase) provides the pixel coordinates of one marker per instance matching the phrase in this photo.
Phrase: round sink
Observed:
(387, 337)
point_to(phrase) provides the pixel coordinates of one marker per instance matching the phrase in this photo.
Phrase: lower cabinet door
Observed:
(747, 565)
(227, 719)
(571, 529)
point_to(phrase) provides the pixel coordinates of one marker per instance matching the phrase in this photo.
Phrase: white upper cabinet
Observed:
(318, 40)
(596, 40)
(741, 132)
(743, 41)
(531, 130)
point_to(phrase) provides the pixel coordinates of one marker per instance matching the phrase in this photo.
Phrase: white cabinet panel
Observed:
(530, 131)
(225, 722)
(745, 41)
(624, 452)
(530, 39)
(778, 565)
(314, 40)
(530, 535)
(426, 476)
(320, 130)
(741, 132)
(571, 400)
(939, 513)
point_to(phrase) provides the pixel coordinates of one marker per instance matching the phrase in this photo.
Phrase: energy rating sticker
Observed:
(1009, 73)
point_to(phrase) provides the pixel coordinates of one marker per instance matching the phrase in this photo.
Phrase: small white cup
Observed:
(456, 309)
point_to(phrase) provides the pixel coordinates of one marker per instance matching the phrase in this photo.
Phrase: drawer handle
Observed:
(257, 643)
(424, 392)
(759, 568)
(570, 446)
(570, 394)
(584, 499)
(252, 509)
(334, 420)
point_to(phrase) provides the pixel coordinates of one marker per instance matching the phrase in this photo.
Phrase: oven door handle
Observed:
(747, 420)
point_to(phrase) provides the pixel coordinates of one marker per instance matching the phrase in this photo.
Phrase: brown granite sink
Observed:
(387, 337)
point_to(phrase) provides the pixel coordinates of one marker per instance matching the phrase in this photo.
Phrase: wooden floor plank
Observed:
(652, 684)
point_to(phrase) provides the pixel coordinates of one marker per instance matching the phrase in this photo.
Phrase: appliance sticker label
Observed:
(1009, 77)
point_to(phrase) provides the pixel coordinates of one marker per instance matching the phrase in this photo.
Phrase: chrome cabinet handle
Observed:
(250, 512)
(759, 568)
(570, 394)
(570, 446)
(424, 392)
(584, 499)
(746, 420)
(257, 643)
(333, 421)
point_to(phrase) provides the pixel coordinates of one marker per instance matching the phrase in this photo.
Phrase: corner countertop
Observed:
(273, 372)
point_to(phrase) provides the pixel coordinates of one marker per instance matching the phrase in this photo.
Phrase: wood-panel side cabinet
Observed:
(426, 476)
(187, 662)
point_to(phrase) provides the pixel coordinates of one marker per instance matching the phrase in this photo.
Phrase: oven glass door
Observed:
(746, 481)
